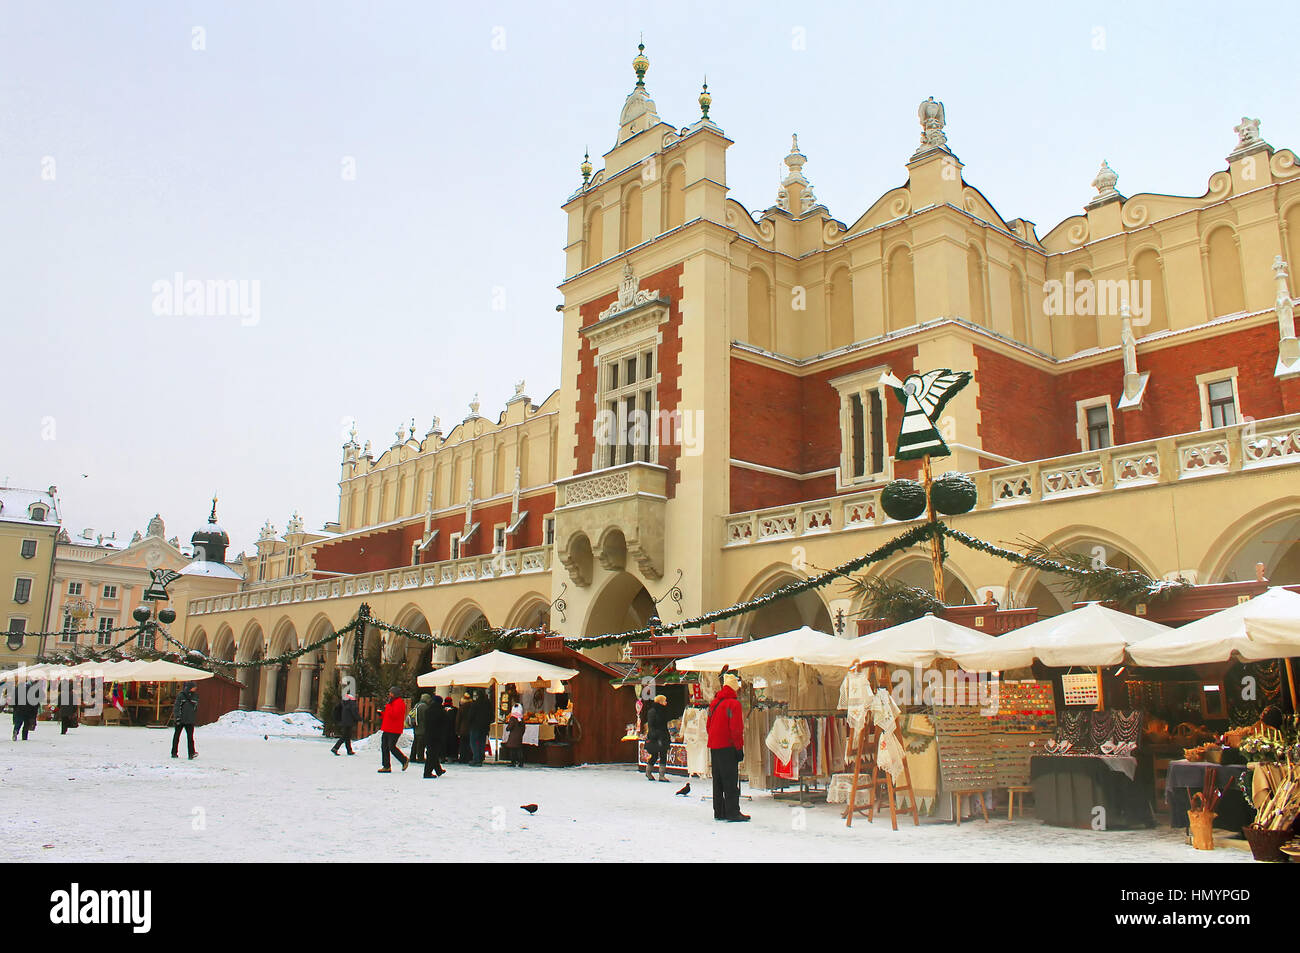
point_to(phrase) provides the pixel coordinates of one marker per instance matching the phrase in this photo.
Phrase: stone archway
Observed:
(623, 604)
(251, 647)
(1271, 538)
(783, 615)
(1046, 591)
(918, 571)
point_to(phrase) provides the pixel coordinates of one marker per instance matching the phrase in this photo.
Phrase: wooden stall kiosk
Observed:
(653, 671)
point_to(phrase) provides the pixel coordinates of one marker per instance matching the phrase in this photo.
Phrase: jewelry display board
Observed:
(1024, 723)
(1081, 689)
(967, 761)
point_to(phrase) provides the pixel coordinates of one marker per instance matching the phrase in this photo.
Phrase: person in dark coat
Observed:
(463, 716)
(26, 708)
(69, 715)
(420, 727)
(185, 712)
(434, 733)
(657, 738)
(480, 720)
(514, 737)
(347, 716)
(450, 743)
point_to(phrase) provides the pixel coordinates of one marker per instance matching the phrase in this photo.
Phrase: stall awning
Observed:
(922, 641)
(1092, 635)
(500, 667)
(806, 646)
(1265, 627)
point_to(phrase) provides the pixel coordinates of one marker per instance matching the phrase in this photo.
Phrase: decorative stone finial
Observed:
(352, 434)
(212, 517)
(933, 120)
(794, 176)
(519, 389)
(366, 452)
(640, 63)
(1105, 181)
(705, 100)
(1248, 138)
(1247, 132)
(433, 427)
(398, 435)
(586, 168)
(473, 406)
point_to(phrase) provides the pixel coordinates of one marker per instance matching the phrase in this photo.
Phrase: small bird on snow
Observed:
(530, 808)
(685, 790)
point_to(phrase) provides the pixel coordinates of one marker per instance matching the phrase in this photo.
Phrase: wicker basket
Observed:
(1265, 844)
(1202, 825)
(1193, 754)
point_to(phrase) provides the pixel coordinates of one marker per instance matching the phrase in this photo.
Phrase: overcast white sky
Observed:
(376, 292)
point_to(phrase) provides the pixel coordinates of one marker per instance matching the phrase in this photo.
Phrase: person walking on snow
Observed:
(434, 732)
(418, 722)
(514, 742)
(392, 721)
(726, 728)
(185, 713)
(347, 716)
(657, 738)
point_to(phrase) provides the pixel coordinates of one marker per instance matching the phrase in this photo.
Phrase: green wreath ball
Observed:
(953, 493)
(903, 500)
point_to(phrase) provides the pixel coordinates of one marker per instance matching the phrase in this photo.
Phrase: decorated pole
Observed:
(923, 397)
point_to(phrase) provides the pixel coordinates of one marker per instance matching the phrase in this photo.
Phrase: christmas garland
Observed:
(73, 657)
(1121, 585)
(912, 537)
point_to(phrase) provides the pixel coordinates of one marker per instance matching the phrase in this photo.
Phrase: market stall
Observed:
(538, 687)
(796, 734)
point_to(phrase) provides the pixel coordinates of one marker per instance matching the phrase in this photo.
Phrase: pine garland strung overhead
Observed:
(1085, 580)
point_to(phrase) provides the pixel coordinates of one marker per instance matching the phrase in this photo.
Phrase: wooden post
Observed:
(936, 552)
(1290, 677)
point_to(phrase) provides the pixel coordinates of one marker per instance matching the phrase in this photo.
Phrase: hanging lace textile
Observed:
(696, 738)
(884, 714)
(788, 737)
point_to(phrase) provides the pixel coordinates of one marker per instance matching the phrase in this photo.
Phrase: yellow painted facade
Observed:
(800, 297)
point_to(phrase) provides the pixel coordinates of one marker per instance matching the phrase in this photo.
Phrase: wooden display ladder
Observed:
(872, 755)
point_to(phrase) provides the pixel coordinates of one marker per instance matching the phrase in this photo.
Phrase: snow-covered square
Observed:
(266, 788)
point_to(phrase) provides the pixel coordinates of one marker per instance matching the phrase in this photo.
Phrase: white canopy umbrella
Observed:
(804, 646)
(159, 670)
(919, 642)
(1092, 635)
(498, 667)
(1256, 629)
(42, 670)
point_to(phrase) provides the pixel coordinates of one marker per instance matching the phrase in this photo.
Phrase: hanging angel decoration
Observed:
(159, 580)
(923, 397)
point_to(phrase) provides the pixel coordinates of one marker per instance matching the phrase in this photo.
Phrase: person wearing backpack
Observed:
(726, 727)
(185, 712)
(346, 716)
(418, 722)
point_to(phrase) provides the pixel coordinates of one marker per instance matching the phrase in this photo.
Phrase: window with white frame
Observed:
(863, 453)
(626, 415)
(499, 538)
(105, 636)
(110, 592)
(22, 589)
(454, 550)
(17, 624)
(29, 549)
(1220, 399)
(548, 530)
(291, 561)
(74, 588)
(1094, 423)
(69, 633)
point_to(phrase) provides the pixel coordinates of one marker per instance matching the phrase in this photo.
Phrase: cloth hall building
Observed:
(720, 427)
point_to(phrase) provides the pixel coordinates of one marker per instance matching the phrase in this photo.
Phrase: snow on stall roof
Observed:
(245, 724)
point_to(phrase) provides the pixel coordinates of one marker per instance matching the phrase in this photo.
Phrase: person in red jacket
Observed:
(726, 728)
(392, 725)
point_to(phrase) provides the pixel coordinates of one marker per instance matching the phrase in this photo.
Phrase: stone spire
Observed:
(1135, 382)
(796, 194)
(639, 112)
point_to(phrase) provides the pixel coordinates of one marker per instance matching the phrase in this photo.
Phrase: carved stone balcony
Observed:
(609, 515)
